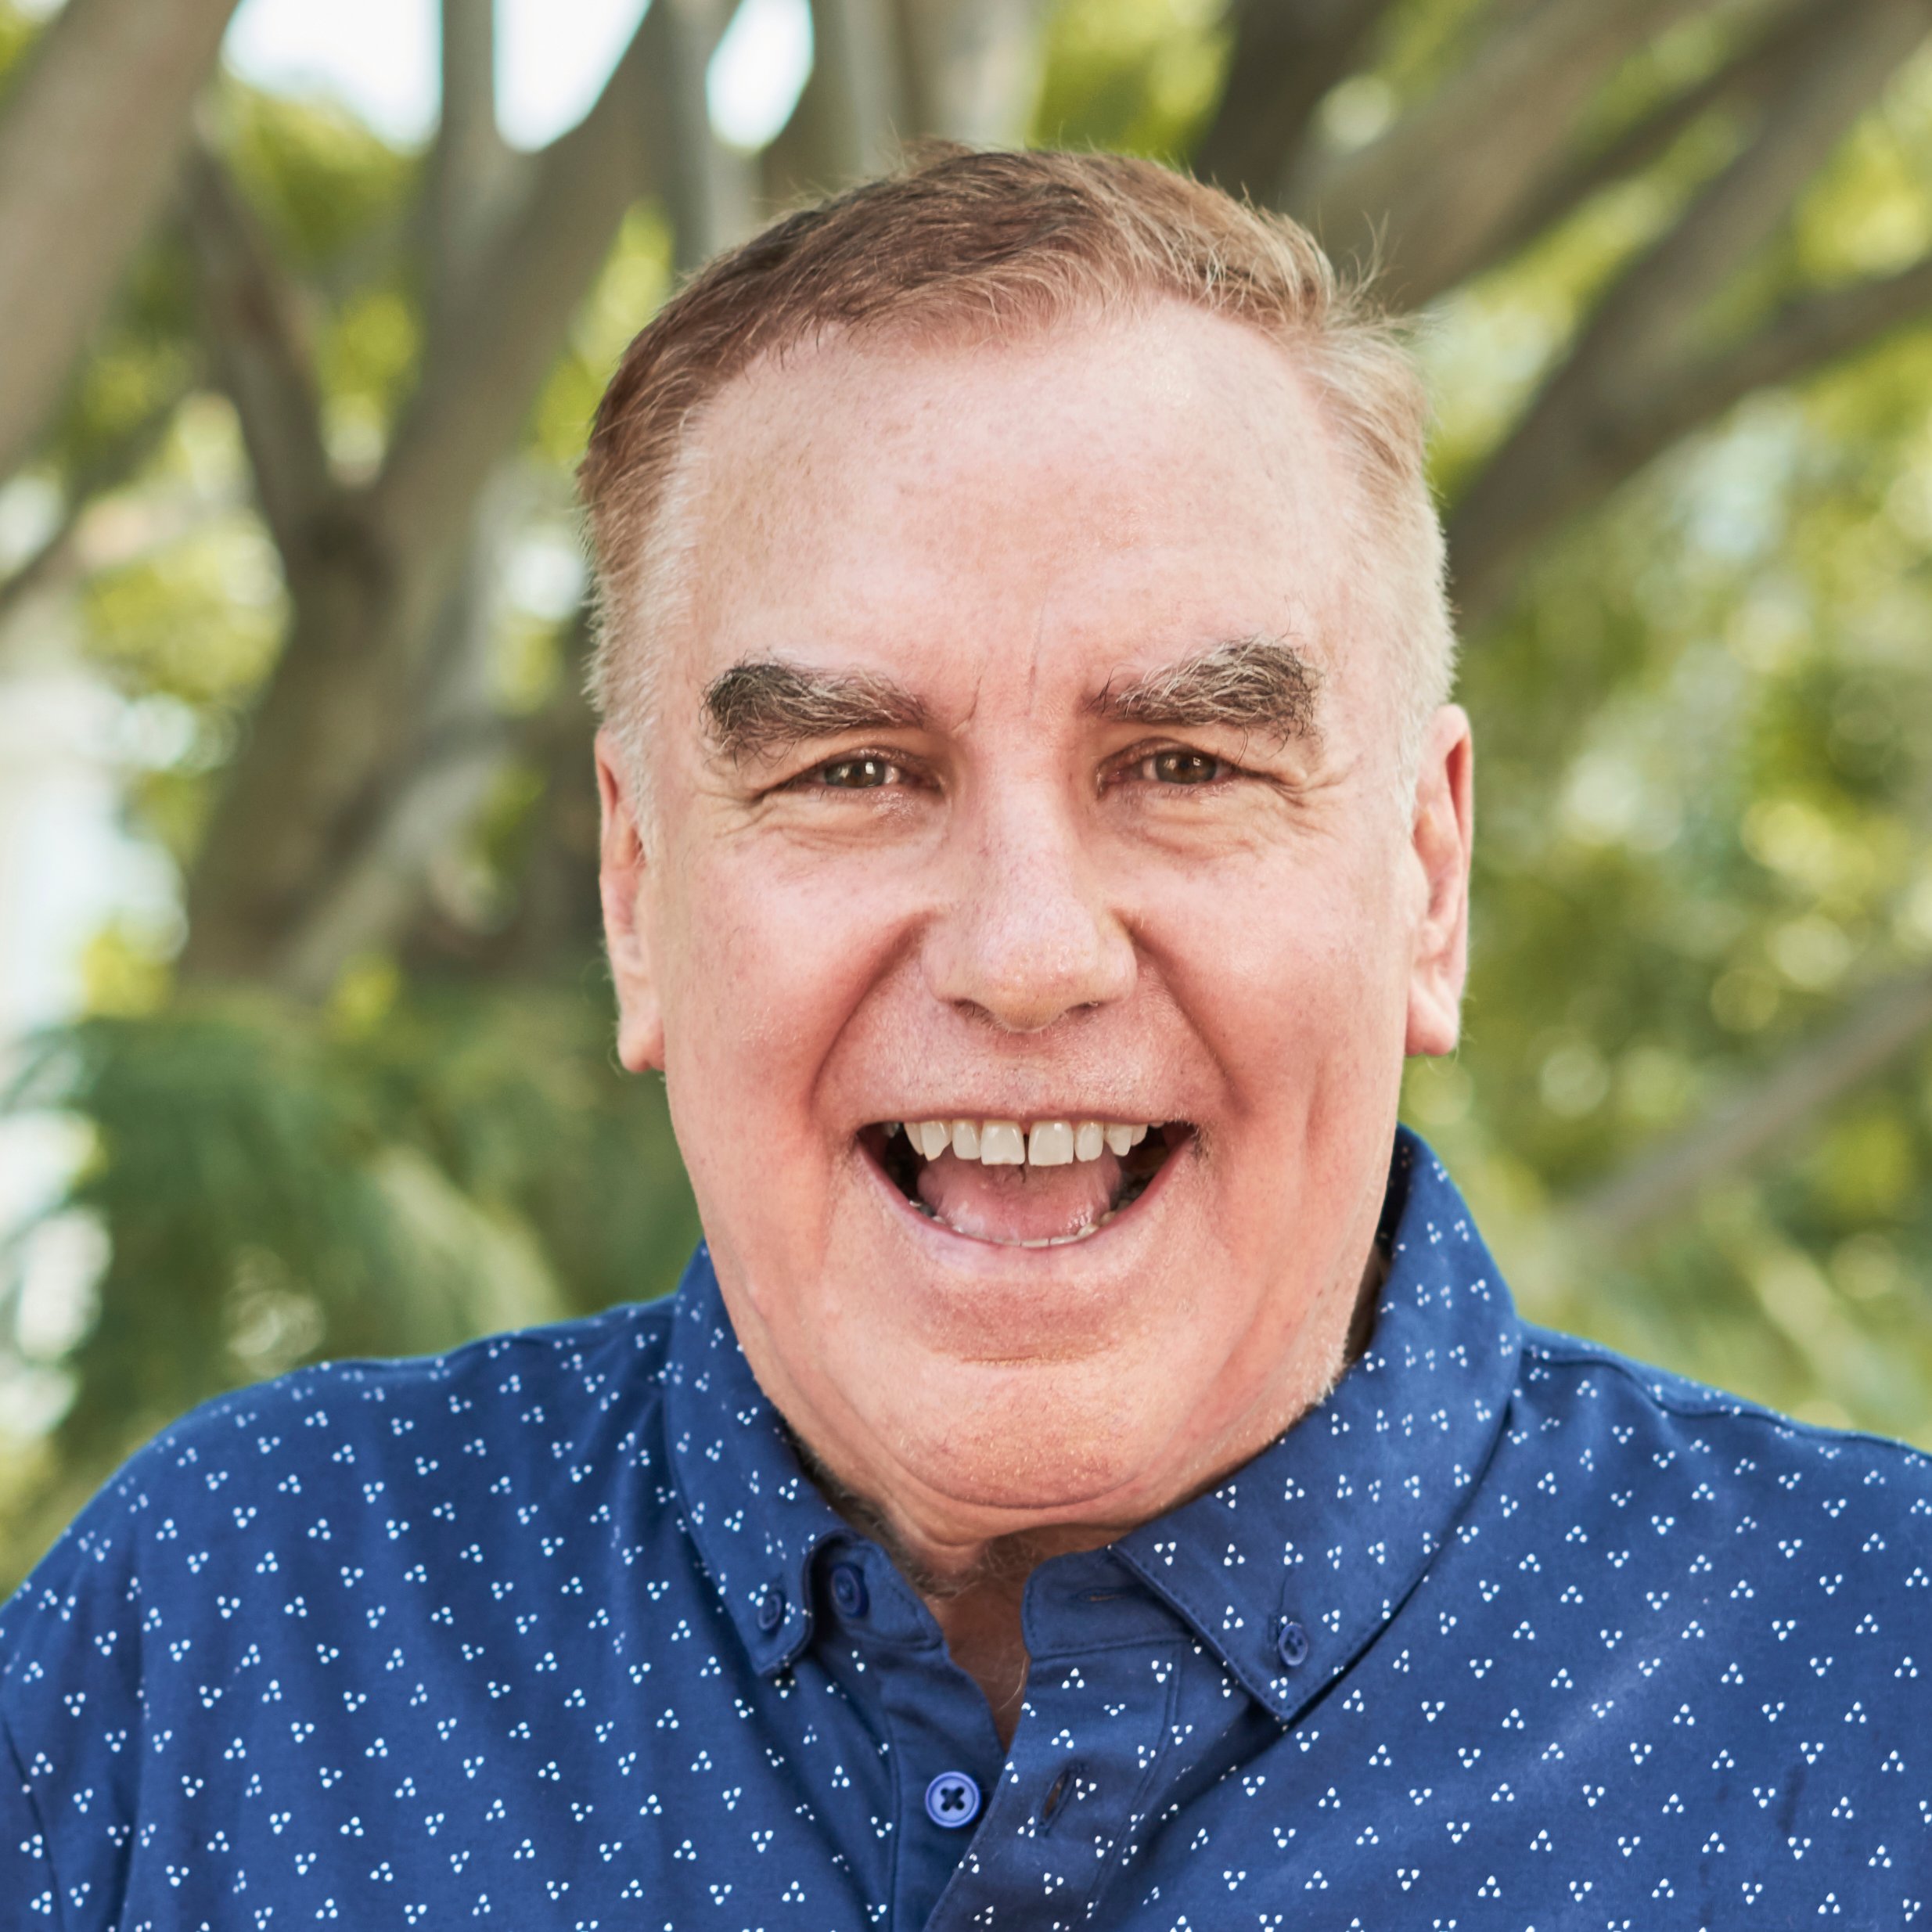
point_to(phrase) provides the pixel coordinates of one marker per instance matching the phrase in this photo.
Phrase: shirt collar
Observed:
(1410, 1427)
(1287, 1539)
(756, 1518)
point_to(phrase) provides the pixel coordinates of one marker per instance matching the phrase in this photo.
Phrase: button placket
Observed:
(1091, 1744)
(941, 1748)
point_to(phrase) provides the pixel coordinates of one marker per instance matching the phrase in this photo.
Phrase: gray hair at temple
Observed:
(961, 242)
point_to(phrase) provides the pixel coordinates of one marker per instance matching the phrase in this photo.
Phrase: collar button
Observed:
(770, 1610)
(1291, 1644)
(849, 1594)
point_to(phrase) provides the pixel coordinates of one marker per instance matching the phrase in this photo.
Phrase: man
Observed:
(1093, 1473)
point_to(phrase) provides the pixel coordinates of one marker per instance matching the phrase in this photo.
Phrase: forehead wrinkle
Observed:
(1259, 685)
(755, 710)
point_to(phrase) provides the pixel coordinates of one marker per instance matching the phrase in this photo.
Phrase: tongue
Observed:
(1026, 1204)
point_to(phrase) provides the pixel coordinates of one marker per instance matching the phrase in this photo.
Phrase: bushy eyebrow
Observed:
(758, 711)
(1259, 684)
(762, 709)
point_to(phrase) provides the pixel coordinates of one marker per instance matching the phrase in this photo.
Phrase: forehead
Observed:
(1141, 486)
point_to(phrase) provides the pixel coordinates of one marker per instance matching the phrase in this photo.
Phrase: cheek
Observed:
(1293, 975)
(767, 961)
(750, 993)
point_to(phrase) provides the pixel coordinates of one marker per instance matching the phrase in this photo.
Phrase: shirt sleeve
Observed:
(71, 1722)
(27, 1872)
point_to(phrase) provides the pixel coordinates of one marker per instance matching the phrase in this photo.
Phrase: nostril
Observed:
(1039, 958)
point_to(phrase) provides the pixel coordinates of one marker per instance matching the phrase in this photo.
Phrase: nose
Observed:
(1027, 934)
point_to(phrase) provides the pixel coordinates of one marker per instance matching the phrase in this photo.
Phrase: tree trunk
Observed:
(88, 143)
(709, 188)
(972, 67)
(852, 115)
(1287, 54)
(320, 807)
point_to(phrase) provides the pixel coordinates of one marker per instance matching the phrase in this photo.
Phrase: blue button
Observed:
(1291, 1644)
(952, 1799)
(770, 1610)
(849, 1593)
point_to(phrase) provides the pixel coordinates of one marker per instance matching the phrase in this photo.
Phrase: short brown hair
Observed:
(959, 240)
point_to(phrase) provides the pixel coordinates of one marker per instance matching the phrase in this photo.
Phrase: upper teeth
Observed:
(1009, 1144)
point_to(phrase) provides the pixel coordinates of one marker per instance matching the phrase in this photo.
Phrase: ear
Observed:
(1442, 837)
(622, 875)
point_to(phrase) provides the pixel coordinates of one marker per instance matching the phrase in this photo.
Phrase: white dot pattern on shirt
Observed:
(485, 1637)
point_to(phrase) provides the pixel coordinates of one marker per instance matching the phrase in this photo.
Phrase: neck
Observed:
(977, 1590)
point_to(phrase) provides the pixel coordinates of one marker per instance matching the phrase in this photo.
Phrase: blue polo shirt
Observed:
(553, 1632)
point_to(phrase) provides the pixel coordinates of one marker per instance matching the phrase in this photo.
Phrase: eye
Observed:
(1181, 768)
(864, 773)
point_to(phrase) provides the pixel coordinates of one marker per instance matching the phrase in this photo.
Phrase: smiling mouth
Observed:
(1036, 1184)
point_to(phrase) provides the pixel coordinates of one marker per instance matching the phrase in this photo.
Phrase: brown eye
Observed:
(858, 775)
(1182, 768)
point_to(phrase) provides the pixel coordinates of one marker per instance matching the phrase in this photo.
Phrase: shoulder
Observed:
(1561, 1373)
(321, 1439)
(1647, 1448)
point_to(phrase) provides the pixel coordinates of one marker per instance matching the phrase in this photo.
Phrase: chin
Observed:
(1086, 1344)
(1060, 1441)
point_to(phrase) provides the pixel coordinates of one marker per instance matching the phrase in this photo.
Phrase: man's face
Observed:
(1027, 755)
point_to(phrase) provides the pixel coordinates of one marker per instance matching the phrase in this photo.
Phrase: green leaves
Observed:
(278, 1185)
(1708, 751)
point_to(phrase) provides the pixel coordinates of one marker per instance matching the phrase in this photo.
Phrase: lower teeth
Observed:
(1042, 1241)
(904, 1174)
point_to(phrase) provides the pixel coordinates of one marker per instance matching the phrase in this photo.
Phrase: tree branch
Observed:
(1803, 336)
(1649, 314)
(320, 730)
(470, 162)
(706, 186)
(342, 715)
(1600, 417)
(849, 118)
(434, 770)
(1743, 81)
(261, 359)
(1887, 1021)
(970, 67)
(557, 915)
(61, 553)
(481, 376)
(373, 895)
(1451, 174)
(87, 144)
(1286, 56)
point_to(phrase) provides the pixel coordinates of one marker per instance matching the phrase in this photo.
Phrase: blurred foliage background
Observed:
(293, 488)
